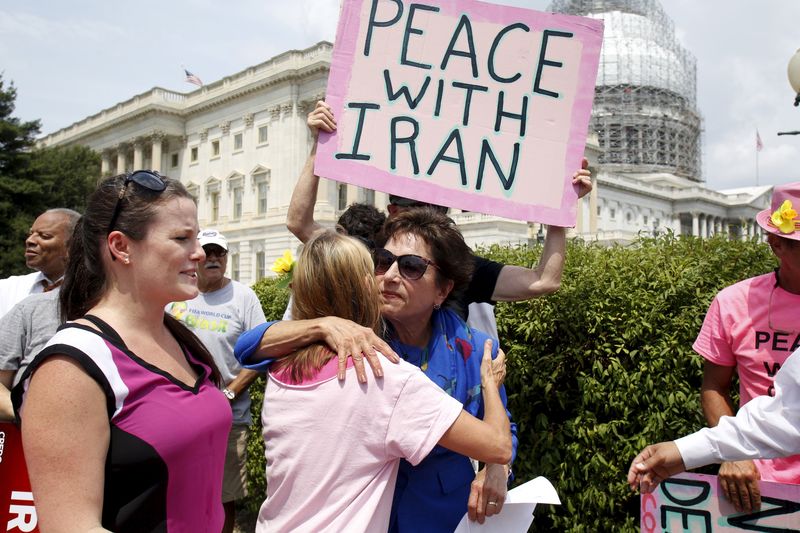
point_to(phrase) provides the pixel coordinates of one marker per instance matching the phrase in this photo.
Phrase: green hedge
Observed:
(274, 300)
(599, 369)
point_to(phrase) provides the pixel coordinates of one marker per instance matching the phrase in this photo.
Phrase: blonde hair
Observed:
(334, 276)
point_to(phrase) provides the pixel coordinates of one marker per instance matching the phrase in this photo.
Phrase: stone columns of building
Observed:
(695, 225)
(155, 160)
(703, 226)
(593, 205)
(246, 263)
(138, 153)
(352, 194)
(122, 159)
(105, 163)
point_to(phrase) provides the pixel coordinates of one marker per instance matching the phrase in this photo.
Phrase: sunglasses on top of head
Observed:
(147, 179)
(410, 266)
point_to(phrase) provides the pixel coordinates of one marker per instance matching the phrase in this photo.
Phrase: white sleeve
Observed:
(765, 427)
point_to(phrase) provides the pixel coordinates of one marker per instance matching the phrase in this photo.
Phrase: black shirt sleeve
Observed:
(480, 288)
(484, 280)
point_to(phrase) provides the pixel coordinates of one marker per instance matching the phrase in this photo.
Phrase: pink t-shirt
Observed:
(333, 448)
(736, 332)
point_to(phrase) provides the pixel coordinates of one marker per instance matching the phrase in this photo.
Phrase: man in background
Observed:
(28, 304)
(46, 253)
(751, 328)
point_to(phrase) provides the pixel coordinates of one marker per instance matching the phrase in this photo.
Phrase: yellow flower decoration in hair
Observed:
(283, 264)
(784, 217)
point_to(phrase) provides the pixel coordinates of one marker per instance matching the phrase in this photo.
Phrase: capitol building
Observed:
(238, 144)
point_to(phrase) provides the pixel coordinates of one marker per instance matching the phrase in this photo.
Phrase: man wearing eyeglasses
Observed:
(222, 311)
(751, 328)
(45, 253)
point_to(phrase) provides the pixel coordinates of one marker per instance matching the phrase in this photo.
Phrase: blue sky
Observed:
(69, 60)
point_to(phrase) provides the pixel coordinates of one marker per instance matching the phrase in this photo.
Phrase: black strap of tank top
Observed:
(105, 329)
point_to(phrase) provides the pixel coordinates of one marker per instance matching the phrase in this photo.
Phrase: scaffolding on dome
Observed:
(645, 113)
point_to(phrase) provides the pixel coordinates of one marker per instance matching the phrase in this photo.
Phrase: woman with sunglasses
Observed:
(123, 425)
(316, 485)
(423, 262)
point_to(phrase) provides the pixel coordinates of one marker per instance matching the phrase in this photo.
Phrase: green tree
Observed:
(66, 175)
(16, 140)
(33, 180)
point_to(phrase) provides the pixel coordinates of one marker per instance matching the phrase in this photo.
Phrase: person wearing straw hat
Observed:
(751, 328)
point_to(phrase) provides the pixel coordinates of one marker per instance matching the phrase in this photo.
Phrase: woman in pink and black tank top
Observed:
(123, 425)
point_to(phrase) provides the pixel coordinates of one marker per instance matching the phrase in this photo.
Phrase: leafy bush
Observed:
(605, 366)
(274, 299)
(597, 370)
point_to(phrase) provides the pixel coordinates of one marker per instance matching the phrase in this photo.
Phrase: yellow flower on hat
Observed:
(784, 217)
(284, 264)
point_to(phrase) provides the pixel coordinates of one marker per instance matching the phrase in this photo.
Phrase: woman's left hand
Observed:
(488, 493)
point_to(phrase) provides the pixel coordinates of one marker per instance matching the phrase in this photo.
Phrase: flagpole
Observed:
(757, 167)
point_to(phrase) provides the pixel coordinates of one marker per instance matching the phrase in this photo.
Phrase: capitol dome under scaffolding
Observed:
(645, 113)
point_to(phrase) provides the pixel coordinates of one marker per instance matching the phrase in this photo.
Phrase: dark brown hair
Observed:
(85, 279)
(448, 249)
(362, 220)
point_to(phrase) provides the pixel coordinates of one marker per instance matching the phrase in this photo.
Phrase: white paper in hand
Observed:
(517, 514)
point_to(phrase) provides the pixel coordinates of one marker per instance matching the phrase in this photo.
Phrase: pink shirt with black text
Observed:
(737, 332)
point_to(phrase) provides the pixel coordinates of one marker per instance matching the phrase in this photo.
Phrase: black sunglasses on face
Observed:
(147, 179)
(410, 266)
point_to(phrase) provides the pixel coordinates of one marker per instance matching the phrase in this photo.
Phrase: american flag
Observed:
(759, 144)
(191, 78)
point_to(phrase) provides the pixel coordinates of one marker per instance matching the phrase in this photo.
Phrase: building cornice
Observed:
(292, 66)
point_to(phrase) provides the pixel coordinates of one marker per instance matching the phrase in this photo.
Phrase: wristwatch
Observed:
(229, 394)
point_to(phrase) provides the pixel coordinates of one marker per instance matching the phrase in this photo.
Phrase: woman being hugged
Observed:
(123, 426)
(333, 448)
(422, 264)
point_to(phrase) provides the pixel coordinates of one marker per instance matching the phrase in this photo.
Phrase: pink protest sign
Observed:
(694, 502)
(462, 103)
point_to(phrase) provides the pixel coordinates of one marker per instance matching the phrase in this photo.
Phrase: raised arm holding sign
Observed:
(511, 283)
